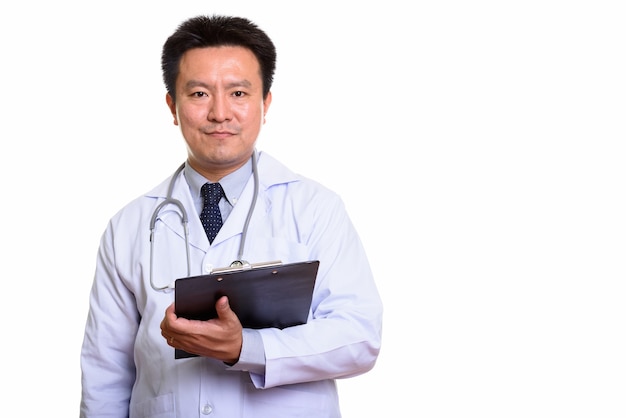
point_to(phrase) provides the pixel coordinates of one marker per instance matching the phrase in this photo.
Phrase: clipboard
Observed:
(271, 295)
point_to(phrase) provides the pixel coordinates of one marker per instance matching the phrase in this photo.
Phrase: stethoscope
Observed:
(169, 200)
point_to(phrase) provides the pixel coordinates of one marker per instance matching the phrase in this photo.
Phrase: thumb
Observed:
(222, 307)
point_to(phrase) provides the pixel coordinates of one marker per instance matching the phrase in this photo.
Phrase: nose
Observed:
(219, 110)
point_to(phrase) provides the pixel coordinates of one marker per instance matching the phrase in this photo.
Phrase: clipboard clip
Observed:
(239, 265)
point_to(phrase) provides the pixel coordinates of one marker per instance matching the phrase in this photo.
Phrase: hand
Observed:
(219, 338)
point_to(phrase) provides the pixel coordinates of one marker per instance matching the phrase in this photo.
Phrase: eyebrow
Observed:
(196, 83)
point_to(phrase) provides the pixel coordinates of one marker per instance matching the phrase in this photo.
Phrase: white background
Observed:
(495, 127)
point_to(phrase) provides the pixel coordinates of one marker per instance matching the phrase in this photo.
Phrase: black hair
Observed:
(216, 30)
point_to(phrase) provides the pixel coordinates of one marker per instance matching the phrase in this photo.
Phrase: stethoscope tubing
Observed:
(169, 200)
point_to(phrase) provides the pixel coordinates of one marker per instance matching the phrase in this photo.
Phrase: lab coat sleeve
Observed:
(342, 337)
(108, 370)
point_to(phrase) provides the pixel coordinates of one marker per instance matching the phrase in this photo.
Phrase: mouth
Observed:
(219, 133)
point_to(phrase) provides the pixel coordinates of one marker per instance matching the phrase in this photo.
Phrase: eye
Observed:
(198, 94)
(239, 93)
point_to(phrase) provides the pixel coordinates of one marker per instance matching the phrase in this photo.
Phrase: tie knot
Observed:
(212, 193)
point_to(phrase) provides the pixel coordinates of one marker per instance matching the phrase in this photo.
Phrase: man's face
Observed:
(219, 107)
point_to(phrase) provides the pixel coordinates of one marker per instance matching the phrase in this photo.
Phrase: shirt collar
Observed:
(233, 184)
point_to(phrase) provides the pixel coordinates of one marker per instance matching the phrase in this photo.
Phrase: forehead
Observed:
(219, 62)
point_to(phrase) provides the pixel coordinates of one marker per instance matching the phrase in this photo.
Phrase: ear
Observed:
(266, 104)
(172, 105)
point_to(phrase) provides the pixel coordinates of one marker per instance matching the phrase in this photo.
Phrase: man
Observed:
(218, 72)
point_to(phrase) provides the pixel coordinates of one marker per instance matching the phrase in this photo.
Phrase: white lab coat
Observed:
(128, 370)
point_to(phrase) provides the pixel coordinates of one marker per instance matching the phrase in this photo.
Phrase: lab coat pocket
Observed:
(159, 407)
(308, 400)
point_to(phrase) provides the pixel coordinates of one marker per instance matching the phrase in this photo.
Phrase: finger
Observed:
(170, 310)
(167, 318)
(170, 341)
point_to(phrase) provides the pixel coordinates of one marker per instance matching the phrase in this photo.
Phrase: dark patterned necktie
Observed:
(211, 217)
